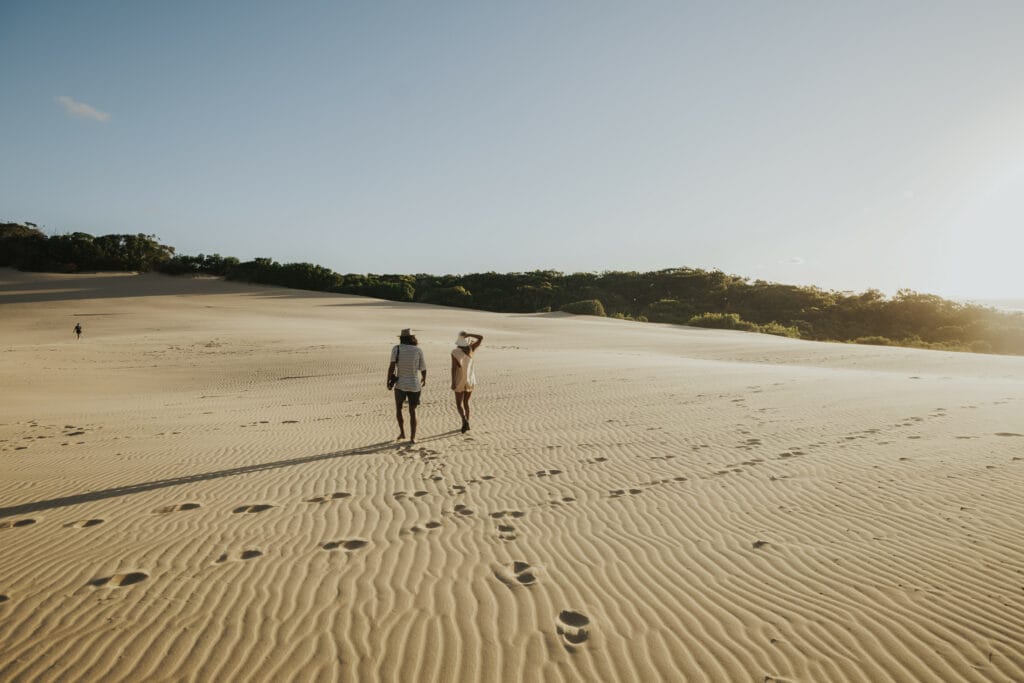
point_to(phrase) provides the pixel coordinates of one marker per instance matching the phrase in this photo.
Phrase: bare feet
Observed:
(400, 436)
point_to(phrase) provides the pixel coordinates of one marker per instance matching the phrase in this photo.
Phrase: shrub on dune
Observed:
(722, 321)
(586, 307)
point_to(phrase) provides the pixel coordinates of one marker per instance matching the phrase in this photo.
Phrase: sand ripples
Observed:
(644, 504)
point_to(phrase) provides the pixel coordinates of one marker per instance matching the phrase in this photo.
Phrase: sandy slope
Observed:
(204, 488)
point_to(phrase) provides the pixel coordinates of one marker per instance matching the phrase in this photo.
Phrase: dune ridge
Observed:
(205, 487)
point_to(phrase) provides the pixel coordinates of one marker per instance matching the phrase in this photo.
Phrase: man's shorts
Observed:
(413, 396)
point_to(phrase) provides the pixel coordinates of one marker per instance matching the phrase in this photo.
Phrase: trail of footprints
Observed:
(572, 626)
(28, 438)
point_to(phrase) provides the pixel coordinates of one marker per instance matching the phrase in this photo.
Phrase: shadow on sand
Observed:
(37, 506)
(18, 287)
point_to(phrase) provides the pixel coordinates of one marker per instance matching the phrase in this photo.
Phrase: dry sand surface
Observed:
(206, 487)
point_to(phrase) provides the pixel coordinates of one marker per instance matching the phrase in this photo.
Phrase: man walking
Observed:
(406, 361)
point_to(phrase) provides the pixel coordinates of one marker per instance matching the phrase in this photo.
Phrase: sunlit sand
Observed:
(206, 487)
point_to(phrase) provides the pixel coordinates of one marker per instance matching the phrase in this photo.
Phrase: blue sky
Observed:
(866, 145)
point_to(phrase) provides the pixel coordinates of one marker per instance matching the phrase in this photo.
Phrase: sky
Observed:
(844, 145)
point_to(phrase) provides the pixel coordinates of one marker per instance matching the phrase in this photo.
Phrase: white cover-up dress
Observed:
(465, 375)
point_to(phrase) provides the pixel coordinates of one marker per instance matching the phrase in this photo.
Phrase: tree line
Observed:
(686, 296)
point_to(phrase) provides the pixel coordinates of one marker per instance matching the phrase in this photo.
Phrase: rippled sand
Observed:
(206, 487)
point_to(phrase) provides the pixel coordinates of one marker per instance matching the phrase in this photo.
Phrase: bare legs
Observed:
(399, 400)
(462, 405)
(412, 423)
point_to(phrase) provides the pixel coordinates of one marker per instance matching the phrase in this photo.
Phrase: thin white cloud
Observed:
(81, 110)
(792, 261)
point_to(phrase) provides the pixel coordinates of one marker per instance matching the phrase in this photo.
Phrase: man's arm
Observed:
(393, 365)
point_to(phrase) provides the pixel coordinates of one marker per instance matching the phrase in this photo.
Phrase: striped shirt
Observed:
(410, 363)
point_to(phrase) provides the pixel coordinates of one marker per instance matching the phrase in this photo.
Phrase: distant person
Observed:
(78, 330)
(463, 374)
(406, 361)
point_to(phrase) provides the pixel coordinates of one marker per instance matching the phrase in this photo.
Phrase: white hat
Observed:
(462, 341)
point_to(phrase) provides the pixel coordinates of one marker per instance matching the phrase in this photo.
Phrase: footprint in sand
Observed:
(546, 473)
(252, 508)
(353, 544)
(572, 626)
(506, 532)
(4, 598)
(247, 554)
(402, 494)
(1008, 434)
(521, 573)
(463, 510)
(511, 513)
(167, 509)
(83, 523)
(334, 496)
(432, 525)
(17, 523)
(119, 580)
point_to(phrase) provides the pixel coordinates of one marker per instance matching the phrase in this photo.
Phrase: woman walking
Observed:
(463, 375)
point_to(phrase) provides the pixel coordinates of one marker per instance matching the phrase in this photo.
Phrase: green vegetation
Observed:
(587, 307)
(685, 296)
(27, 248)
(732, 321)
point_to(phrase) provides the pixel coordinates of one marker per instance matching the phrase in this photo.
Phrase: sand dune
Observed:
(206, 487)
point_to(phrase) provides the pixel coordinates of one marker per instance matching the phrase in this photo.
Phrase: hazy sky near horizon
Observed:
(855, 145)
